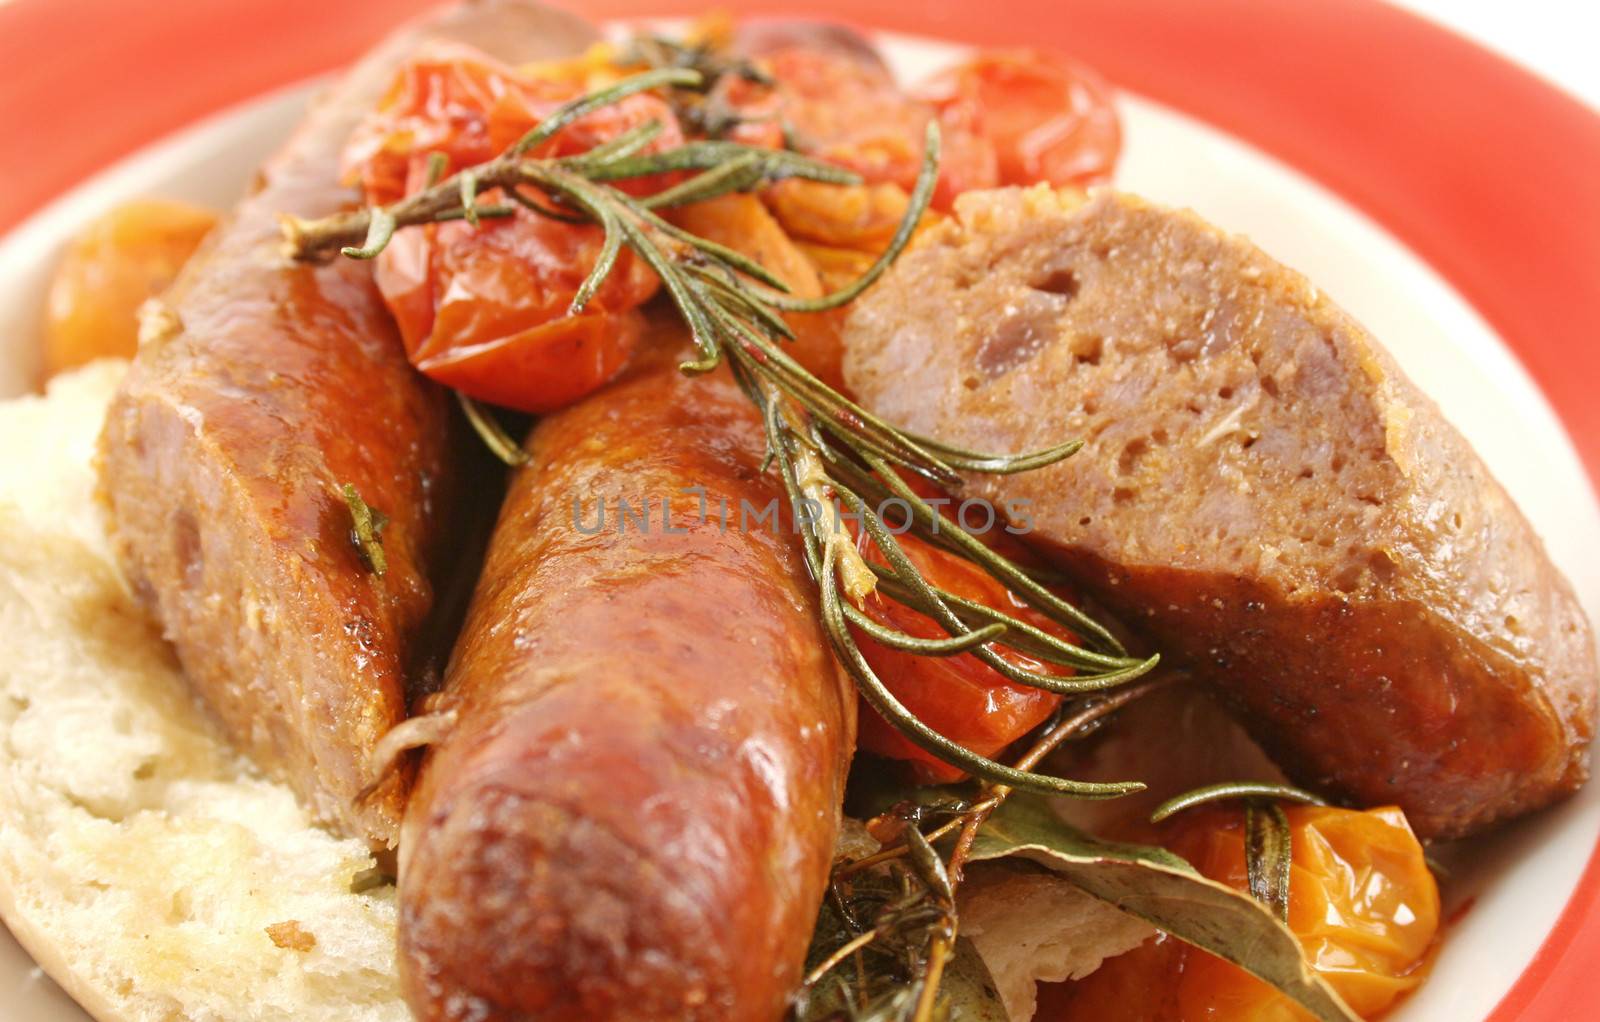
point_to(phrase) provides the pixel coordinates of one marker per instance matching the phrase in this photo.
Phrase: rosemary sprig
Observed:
(831, 454)
(1268, 855)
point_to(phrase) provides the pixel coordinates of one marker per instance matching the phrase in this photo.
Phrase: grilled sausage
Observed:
(1263, 492)
(634, 813)
(258, 392)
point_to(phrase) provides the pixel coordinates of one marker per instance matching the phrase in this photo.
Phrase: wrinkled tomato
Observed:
(483, 309)
(1361, 901)
(1047, 118)
(833, 104)
(470, 108)
(959, 696)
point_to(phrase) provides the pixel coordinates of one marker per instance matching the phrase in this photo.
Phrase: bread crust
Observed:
(1263, 493)
(47, 956)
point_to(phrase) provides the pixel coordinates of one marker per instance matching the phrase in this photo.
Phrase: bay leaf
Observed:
(968, 993)
(1159, 887)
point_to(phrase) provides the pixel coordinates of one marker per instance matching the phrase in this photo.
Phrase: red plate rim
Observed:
(1481, 168)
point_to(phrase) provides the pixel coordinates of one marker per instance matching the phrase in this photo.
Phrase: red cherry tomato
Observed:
(1047, 118)
(1361, 901)
(849, 111)
(483, 309)
(959, 696)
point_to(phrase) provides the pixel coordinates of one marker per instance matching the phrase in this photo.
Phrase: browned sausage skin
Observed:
(260, 389)
(635, 811)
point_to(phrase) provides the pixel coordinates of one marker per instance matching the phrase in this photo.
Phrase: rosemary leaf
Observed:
(895, 639)
(365, 525)
(1231, 790)
(490, 432)
(380, 228)
(930, 868)
(738, 174)
(775, 164)
(610, 250)
(622, 146)
(1268, 855)
(585, 105)
(438, 163)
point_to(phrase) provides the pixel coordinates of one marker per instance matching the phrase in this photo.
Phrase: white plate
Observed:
(1521, 878)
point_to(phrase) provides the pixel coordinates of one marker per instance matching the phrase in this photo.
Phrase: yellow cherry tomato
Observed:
(1361, 901)
(121, 259)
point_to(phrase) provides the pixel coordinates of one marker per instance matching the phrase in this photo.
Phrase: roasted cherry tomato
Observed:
(121, 259)
(1047, 118)
(1361, 901)
(960, 696)
(460, 103)
(833, 104)
(484, 309)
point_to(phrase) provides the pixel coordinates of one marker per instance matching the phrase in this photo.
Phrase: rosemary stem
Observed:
(1047, 743)
(938, 954)
(838, 546)
(845, 950)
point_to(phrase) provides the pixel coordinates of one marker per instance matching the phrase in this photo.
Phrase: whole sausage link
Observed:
(261, 389)
(634, 813)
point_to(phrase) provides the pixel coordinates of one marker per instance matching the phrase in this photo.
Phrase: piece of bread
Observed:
(142, 863)
(1031, 927)
(1263, 493)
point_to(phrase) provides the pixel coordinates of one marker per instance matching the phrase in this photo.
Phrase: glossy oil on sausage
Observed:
(260, 389)
(634, 813)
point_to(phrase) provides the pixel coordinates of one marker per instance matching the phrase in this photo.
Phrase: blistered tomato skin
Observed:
(484, 309)
(961, 697)
(1047, 118)
(851, 112)
(470, 108)
(128, 255)
(1361, 901)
